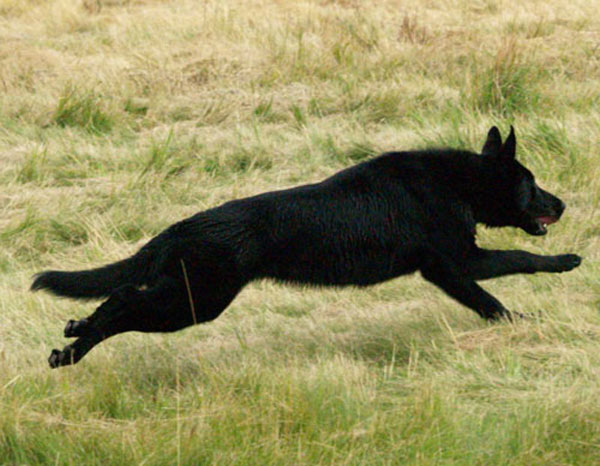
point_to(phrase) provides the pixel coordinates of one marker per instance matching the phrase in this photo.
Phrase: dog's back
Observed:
(361, 226)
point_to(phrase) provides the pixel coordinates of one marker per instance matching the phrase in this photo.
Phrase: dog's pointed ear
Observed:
(509, 148)
(493, 143)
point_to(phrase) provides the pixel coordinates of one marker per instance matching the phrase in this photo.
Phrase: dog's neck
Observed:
(473, 180)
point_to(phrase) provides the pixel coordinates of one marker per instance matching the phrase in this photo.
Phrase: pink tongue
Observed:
(547, 220)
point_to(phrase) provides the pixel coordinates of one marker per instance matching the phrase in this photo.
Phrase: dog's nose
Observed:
(560, 207)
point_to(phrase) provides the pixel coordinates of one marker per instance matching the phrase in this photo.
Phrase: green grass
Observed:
(118, 118)
(82, 110)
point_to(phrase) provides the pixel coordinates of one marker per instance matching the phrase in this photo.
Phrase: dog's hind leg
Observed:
(443, 273)
(486, 263)
(168, 306)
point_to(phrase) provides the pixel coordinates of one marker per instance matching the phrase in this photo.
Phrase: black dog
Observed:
(389, 216)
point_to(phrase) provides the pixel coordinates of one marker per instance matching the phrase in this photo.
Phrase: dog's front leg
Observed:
(484, 263)
(444, 273)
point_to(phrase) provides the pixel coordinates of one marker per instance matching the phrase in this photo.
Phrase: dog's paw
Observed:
(566, 262)
(76, 328)
(59, 358)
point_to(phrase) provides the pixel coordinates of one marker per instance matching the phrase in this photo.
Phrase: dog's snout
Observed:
(560, 207)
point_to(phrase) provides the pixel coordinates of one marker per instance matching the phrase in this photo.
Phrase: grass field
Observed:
(119, 117)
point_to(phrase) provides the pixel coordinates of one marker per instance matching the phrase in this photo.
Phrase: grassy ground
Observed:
(120, 117)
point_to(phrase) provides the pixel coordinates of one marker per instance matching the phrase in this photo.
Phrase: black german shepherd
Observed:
(389, 216)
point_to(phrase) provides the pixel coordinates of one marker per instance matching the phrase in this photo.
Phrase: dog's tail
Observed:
(96, 283)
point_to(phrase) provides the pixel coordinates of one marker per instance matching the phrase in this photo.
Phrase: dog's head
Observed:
(518, 200)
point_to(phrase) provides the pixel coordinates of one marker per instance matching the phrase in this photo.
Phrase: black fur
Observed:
(396, 214)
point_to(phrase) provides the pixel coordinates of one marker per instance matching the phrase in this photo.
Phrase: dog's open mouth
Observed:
(543, 222)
